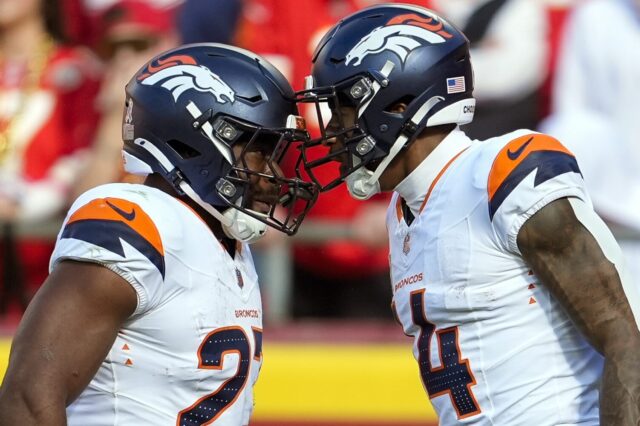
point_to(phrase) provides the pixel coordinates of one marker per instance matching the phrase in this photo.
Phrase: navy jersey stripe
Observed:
(549, 164)
(107, 234)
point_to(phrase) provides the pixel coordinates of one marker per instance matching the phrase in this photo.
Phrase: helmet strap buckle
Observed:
(409, 128)
(176, 177)
(203, 118)
(380, 78)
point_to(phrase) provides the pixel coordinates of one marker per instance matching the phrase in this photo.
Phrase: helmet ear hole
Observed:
(185, 151)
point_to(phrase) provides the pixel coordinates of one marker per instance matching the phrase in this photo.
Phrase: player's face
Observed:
(267, 193)
(342, 117)
(341, 146)
(256, 157)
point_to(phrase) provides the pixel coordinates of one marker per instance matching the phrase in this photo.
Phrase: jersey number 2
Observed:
(453, 377)
(211, 354)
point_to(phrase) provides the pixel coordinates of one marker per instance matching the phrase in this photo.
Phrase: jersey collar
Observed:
(419, 183)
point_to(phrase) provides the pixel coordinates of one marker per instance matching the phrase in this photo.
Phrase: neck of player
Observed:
(407, 161)
(158, 182)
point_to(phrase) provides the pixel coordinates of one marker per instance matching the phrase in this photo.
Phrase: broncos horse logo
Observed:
(401, 35)
(180, 73)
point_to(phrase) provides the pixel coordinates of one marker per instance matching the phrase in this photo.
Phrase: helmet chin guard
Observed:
(243, 227)
(360, 184)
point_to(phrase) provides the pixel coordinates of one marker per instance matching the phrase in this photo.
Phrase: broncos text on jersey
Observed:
(493, 346)
(191, 352)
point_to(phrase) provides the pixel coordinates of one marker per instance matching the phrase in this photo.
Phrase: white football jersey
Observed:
(493, 346)
(191, 352)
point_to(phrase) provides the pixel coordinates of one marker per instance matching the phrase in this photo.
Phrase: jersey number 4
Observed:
(454, 376)
(211, 354)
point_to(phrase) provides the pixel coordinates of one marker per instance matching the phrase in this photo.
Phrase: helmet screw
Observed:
(204, 172)
(384, 127)
(226, 188)
(365, 145)
(360, 89)
(195, 124)
(228, 133)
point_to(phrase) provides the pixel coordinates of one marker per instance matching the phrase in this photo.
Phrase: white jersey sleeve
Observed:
(528, 173)
(117, 233)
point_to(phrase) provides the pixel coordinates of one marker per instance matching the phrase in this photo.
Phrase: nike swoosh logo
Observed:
(128, 216)
(515, 154)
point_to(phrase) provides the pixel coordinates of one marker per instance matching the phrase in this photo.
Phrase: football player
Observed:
(509, 283)
(151, 313)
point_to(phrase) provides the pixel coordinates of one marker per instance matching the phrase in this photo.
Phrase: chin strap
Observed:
(363, 183)
(235, 224)
(360, 184)
(243, 227)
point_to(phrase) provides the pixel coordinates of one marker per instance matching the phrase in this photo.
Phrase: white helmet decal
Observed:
(181, 73)
(401, 35)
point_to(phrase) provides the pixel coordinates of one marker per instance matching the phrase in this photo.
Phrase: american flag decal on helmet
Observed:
(456, 85)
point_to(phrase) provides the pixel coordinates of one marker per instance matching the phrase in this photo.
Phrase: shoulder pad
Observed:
(104, 222)
(519, 158)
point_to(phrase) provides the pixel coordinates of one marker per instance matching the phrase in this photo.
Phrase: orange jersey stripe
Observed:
(514, 153)
(117, 209)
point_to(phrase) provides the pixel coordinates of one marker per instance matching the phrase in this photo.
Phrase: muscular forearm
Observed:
(620, 393)
(579, 261)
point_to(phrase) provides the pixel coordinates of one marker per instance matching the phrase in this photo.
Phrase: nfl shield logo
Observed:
(406, 245)
(239, 277)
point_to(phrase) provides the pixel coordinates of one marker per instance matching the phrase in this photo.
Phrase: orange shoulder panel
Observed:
(118, 209)
(514, 153)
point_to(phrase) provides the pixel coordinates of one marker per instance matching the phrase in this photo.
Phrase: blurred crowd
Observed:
(567, 67)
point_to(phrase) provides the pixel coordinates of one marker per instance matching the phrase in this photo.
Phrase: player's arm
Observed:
(64, 336)
(566, 245)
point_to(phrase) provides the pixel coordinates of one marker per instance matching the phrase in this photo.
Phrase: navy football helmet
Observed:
(370, 61)
(187, 113)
